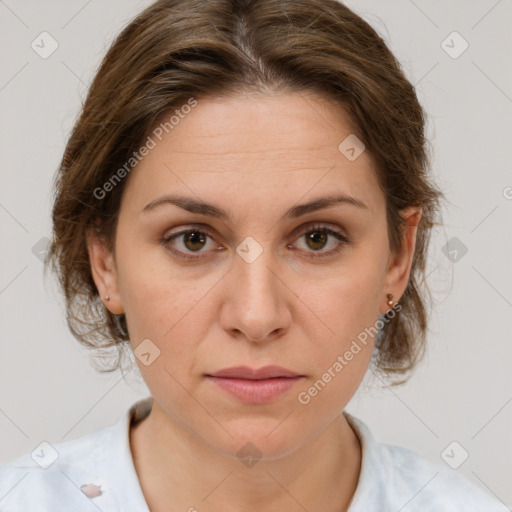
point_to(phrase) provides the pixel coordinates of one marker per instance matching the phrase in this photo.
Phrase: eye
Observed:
(193, 242)
(317, 237)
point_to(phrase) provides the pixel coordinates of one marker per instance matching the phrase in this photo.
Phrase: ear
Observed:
(104, 273)
(400, 262)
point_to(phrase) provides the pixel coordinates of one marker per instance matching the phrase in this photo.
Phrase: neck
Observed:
(176, 468)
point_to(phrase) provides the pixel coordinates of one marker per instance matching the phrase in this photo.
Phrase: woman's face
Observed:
(266, 284)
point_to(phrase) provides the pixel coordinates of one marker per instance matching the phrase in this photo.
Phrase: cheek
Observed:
(340, 347)
(346, 303)
(342, 331)
(155, 295)
(340, 362)
(171, 312)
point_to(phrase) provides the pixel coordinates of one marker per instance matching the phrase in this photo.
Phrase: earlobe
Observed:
(104, 273)
(400, 263)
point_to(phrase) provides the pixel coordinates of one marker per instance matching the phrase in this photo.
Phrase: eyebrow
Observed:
(204, 208)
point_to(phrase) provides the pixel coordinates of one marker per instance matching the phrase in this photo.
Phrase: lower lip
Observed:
(256, 391)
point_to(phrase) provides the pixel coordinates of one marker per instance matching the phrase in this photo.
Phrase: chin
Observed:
(257, 440)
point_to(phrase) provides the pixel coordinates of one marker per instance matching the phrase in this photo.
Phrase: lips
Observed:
(245, 372)
(253, 386)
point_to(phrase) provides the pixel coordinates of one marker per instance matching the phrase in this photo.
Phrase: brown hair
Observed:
(176, 50)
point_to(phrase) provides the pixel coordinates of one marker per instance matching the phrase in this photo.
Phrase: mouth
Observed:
(253, 386)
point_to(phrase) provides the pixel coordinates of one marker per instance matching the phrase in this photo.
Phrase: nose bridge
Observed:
(255, 271)
(256, 294)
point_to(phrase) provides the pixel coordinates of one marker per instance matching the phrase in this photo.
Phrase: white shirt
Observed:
(392, 478)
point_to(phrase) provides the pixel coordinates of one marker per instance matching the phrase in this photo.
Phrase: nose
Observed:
(256, 302)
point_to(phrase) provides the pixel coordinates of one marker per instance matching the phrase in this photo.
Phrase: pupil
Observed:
(321, 239)
(194, 238)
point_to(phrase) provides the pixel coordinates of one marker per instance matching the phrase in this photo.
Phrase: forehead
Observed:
(278, 147)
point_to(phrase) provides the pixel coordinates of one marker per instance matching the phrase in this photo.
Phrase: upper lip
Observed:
(245, 372)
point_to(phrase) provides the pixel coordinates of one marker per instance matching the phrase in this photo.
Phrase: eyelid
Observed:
(310, 226)
(202, 228)
(303, 228)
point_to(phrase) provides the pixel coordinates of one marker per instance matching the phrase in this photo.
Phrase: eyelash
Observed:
(204, 230)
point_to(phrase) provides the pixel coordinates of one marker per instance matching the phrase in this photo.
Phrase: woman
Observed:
(245, 203)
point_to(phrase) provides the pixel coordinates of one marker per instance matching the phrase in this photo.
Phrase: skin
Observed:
(256, 157)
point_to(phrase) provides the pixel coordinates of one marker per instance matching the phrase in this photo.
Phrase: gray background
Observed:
(462, 392)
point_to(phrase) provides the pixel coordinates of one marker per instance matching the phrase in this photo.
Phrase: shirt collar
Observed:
(121, 471)
(373, 480)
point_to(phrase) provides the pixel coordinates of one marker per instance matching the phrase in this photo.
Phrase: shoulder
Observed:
(428, 485)
(91, 473)
(55, 475)
(403, 479)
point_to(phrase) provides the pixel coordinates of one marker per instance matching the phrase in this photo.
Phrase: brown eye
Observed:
(186, 243)
(193, 243)
(316, 239)
(194, 240)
